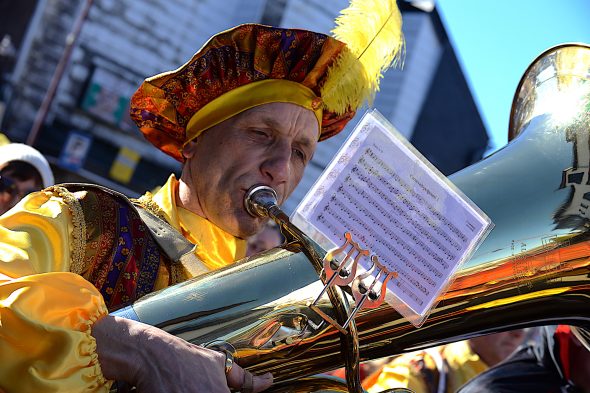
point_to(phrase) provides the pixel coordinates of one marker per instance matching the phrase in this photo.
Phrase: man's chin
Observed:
(250, 227)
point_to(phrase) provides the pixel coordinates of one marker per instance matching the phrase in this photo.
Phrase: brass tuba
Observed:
(533, 269)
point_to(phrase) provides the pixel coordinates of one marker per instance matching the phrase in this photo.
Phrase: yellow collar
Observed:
(215, 247)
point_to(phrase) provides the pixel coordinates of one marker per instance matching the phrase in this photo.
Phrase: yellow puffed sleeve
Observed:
(45, 341)
(46, 312)
(35, 236)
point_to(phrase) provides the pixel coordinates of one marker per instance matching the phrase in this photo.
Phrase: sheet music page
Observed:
(396, 204)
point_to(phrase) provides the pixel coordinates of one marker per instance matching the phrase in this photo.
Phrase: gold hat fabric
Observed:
(165, 103)
(251, 65)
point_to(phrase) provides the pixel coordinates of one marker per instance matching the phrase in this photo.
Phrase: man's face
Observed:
(496, 347)
(267, 145)
(268, 238)
(12, 190)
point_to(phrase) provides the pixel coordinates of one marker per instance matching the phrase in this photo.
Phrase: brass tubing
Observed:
(261, 201)
(533, 269)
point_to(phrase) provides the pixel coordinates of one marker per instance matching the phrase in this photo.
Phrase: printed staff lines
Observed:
(400, 195)
(403, 228)
(367, 180)
(333, 214)
(414, 194)
(403, 273)
(401, 285)
(399, 241)
(332, 228)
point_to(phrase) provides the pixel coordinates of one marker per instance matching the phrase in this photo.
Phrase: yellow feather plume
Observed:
(372, 32)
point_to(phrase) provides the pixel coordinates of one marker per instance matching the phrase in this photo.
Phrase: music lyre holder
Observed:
(261, 201)
(344, 273)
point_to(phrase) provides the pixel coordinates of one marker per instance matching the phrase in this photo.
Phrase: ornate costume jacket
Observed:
(70, 254)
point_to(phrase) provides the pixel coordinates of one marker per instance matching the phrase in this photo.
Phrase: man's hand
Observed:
(155, 361)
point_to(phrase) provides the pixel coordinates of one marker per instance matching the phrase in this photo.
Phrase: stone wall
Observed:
(120, 44)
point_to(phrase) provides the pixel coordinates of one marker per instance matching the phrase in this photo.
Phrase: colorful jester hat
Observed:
(251, 65)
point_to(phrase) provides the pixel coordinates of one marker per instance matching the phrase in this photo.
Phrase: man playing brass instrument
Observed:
(249, 108)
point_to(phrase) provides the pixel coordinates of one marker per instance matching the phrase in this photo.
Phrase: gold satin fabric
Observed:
(46, 312)
(403, 371)
(35, 236)
(45, 318)
(248, 96)
(221, 248)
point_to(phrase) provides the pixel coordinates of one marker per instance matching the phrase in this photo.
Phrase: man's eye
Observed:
(260, 133)
(300, 154)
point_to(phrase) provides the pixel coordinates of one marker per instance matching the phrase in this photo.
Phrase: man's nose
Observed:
(277, 166)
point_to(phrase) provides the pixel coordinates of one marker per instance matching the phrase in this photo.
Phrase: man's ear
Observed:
(188, 151)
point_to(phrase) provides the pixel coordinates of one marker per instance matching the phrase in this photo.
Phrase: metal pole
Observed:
(59, 71)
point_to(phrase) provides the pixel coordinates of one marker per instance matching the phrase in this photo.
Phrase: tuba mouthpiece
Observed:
(259, 200)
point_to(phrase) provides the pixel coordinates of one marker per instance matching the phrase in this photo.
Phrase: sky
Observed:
(496, 40)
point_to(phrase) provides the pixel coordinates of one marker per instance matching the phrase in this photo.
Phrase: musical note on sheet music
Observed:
(395, 204)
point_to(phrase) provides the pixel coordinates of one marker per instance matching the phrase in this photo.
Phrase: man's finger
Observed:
(238, 377)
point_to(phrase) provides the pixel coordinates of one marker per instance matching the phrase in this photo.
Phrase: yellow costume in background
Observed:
(46, 311)
(421, 371)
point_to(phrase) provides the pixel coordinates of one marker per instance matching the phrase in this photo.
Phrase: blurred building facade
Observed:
(88, 135)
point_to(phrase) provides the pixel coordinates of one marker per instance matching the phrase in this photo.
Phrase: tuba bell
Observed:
(533, 269)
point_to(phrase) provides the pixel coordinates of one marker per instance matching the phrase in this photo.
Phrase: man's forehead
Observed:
(274, 116)
(274, 110)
